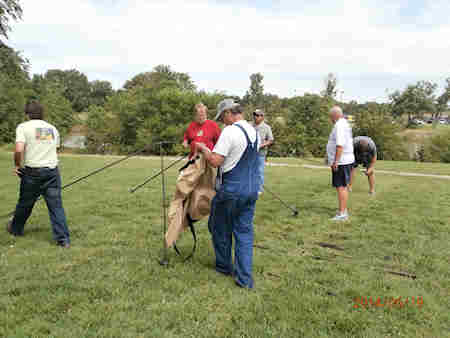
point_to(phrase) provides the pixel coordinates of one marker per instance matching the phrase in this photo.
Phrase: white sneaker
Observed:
(340, 217)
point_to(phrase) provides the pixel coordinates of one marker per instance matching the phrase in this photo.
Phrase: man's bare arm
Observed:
(215, 160)
(337, 157)
(18, 156)
(267, 143)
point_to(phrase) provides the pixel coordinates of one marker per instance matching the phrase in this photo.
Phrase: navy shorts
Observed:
(341, 177)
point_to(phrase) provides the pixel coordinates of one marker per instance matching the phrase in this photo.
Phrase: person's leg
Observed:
(342, 198)
(352, 177)
(51, 191)
(261, 165)
(243, 234)
(29, 193)
(371, 178)
(220, 227)
(341, 178)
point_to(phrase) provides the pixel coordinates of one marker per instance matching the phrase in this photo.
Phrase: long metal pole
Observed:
(132, 190)
(164, 259)
(294, 211)
(96, 171)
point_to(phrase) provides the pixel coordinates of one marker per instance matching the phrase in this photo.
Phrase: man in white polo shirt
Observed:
(36, 163)
(233, 207)
(340, 158)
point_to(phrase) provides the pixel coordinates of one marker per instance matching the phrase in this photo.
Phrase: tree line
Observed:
(157, 105)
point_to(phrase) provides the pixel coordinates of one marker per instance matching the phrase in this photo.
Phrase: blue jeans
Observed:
(45, 182)
(261, 164)
(231, 216)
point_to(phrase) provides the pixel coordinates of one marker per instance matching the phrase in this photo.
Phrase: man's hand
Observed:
(17, 171)
(201, 147)
(369, 171)
(334, 166)
(215, 160)
(186, 144)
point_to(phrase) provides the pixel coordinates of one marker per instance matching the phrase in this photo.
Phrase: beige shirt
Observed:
(41, 141)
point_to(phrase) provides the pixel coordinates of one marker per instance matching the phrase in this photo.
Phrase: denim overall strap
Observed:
(243, 178)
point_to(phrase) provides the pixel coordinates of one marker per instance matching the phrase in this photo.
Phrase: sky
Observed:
(373, 46)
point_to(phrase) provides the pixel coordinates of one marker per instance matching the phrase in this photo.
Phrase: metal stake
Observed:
(164, 259)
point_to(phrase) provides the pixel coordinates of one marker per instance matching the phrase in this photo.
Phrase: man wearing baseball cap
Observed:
(266, 137)
(233, 207)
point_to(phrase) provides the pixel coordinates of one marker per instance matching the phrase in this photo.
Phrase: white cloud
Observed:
(294, 46)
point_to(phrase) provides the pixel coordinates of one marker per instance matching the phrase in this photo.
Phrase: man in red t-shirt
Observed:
(201, 130)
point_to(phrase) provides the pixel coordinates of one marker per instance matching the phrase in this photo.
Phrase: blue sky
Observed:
(372, 45)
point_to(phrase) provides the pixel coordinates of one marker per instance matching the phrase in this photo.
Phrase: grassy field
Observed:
(109, 284)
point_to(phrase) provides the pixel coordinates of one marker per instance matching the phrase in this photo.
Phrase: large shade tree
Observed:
(162, 76)
(415, 100)
(9, 10)
(255, 94)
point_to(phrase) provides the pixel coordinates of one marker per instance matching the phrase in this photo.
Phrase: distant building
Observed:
(75, 142)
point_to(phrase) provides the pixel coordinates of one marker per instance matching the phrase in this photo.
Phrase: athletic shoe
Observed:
(372, 193)
(340, 217)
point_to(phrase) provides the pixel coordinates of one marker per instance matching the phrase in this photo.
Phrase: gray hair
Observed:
(337, 110)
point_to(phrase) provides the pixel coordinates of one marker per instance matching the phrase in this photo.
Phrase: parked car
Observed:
(442, 121)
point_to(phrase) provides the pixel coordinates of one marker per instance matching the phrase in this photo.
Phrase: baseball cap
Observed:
(259, 112)
(224, 105)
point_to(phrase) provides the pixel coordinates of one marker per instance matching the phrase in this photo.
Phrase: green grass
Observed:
(109, 284)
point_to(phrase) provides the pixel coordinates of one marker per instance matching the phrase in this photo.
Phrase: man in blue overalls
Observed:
(233, 207)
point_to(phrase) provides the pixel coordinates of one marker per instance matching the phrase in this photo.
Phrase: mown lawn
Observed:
(109, 284)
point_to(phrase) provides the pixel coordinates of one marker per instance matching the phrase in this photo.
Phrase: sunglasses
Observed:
(257, 115)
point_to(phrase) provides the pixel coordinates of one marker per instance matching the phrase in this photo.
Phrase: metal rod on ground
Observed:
(96, 171)
(132, 190)
(294, 210)
(164, 259)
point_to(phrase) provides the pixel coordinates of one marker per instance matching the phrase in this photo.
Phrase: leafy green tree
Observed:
(443, 100)
(100, 91)
(13, 64)
(14, 91)
(330, 89)
(415, 100)
(308, 119)
(161, 77)
(103, 130)
(58, 109)
(255, 94)
(73, 84)
(12, 103)
(9, 9)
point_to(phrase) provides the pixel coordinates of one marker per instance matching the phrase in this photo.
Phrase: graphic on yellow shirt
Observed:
(44, 134)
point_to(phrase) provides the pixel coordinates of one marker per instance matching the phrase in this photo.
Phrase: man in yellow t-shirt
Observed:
(36, 163)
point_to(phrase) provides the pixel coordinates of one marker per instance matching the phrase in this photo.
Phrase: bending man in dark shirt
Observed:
(366, 154)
